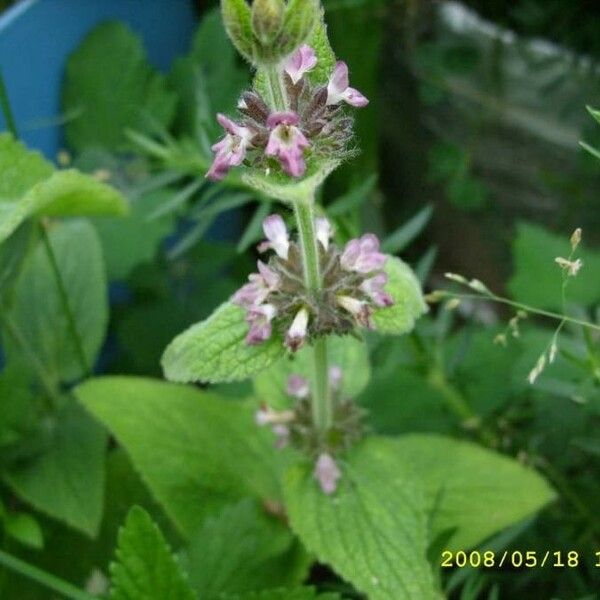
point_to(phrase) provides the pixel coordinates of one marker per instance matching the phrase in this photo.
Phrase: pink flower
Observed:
(297, 386)
(338, 88)
(260, 286)
(362, 255)
(277, 236)
(327, 473)
(324, 231)
(287, 143)
(335, 377)
(282, 435)
(360, 310)
(231, 150)
(296, 334)
(259, 318)
(300, 62)
(373, 287)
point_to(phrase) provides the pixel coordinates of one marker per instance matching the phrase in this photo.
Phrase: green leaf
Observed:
(24, 529)
(241, 550)
(346, 352)
(471, 489)
(319, 42)
(130, 241)
(66, 481)
(145, 568)
(216, 351)
(537, 279)
(409, 305)
(303, 593)
(196, 451)
(373, 530)
(43, 324)
(30, 186)
(237, 18)
(111, 87)
(287, 189)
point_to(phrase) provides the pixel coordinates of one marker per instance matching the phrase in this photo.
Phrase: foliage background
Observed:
(469, 139)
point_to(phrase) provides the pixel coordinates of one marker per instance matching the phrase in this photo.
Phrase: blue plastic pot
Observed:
(36, 37)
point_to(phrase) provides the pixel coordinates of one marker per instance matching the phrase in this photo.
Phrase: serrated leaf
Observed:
(195, 451)
(111, 87)
(43, 325)
(303, 593)
(287, 189)
(216, 351)
(471, 489)
(66, 481)
(237, 18)
(30, 186)
(373, 530)
(405, 289)
(319, 42)
(242, 550)
(346, 352)
(145, 567)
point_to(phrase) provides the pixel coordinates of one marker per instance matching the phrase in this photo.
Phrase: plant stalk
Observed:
(64, 588)
(321, 399)
(276, 88)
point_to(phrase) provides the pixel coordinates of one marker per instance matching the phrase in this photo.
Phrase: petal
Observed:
(297, 386)
(355, 98)
(300, 62)
(282, 118)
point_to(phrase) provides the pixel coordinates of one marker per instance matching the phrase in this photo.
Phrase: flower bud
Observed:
(267, 19)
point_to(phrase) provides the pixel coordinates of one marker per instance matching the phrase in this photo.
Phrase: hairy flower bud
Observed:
(267, 19)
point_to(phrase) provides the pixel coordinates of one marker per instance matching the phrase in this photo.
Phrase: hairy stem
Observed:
(321, 400)
(49, 581)
(276, 89)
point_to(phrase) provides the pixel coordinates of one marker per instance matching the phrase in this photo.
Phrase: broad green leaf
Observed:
(110, 87)
(196, 451)
(373, 530)
(280, 186)
(346, 352)
(537, 279)
(471, 489)
(304, 593)
(38, 312)
(409, 304)
(133, 240)
(30, 186)
(66, 481)
(216, 351)
(145, 567)
(243, 549)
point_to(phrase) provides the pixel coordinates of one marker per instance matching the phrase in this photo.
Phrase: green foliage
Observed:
(145, 567)
(24, 528)
(470, 491)
(347, 352)
(110, 87)
(537, 279)
(319, 42)
(42, 326)
(405, 290)
(30, 186)
(195, 450)
(66, 481)
(215, 350)
(287, 594)
(237, 18)
(377, 541)
(243, 549)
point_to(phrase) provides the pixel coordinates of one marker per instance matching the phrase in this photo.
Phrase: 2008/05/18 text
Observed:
(527, 559)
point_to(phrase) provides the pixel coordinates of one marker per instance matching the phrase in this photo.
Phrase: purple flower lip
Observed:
(339, 90)
(327, 473)
(282, 118)
(362, 255)
(300, 62)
